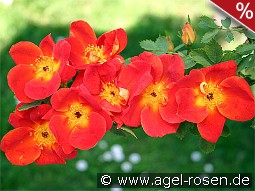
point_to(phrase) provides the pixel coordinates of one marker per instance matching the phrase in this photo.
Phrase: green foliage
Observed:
(226, 22)
(188, 62)
(30, 105)
(123, 131)
(210, 35)
(229, 55)
(229, 36)
(199, 56)
(226, 131)
(245, 48)
(205, 146)
(214, 51)
(207, 22)
(160, 46)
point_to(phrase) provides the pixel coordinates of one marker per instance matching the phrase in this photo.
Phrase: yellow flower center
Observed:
(45, 67)
(94, 54)
(78, 115)
(113, 95)
(212, 94)
(43, 136)
(155, 95)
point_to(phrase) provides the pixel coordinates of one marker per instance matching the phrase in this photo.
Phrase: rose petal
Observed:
(61, 130)
(211, 127)
(47, 45)
(191, 106)
(25, 52)
(173, 67)
(168, 112)
(87, 137)
(20, 148)
(219, 72)
(238, 101)
(37, 89)
(132, 115)
(17, 78)
(154, 125)
(83, 31)
(49, 156)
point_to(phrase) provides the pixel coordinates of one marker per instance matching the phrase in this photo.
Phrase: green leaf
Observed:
(246, 63)
(123, 131)
(162, 44)
(128, 131)
(249, 34)
(226, 131)
(245, 49)
(209, 35)
(30, 105)
(205, 146)
(207, 22)
(214, 51)
(226, 22)
(231, 56)
(253, 124)
(199, 56)
(229, 36)
(148, 45)
(193, 130)
(188, 62)
(182, 129)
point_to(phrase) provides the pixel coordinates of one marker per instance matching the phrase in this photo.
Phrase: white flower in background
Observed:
(117, 153)
(208, 167)
(126, 166)
(107, 156)
(7, 2)
(116, 188)
(134, 158)
(102, 144)
(81, 165)
(196, 156)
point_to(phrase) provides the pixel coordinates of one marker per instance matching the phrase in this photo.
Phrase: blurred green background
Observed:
(32, 20)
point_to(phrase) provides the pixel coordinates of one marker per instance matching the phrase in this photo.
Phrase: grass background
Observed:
(32, 20)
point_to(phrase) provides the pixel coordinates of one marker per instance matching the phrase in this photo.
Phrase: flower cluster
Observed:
(84, 88)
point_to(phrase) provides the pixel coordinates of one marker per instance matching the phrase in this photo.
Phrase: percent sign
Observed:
(248, 13)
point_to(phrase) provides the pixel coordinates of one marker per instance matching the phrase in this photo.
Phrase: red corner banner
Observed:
(241, 10)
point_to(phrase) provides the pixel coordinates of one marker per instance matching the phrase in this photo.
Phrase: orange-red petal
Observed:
(173, 67)
(132, 115)
(37, 89)
(238, 101)
(135, 77)
(49, 156)
(17, 78)
(83, 31)
(155, 62)
(25, 52)
(47, 45)
(61, 99)
(168, 112)
(154, 125)
(113, 41)
(20, 148)
(190, 105)
(219, 72)
(211, 127)
(61, 130)
(87, 137)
